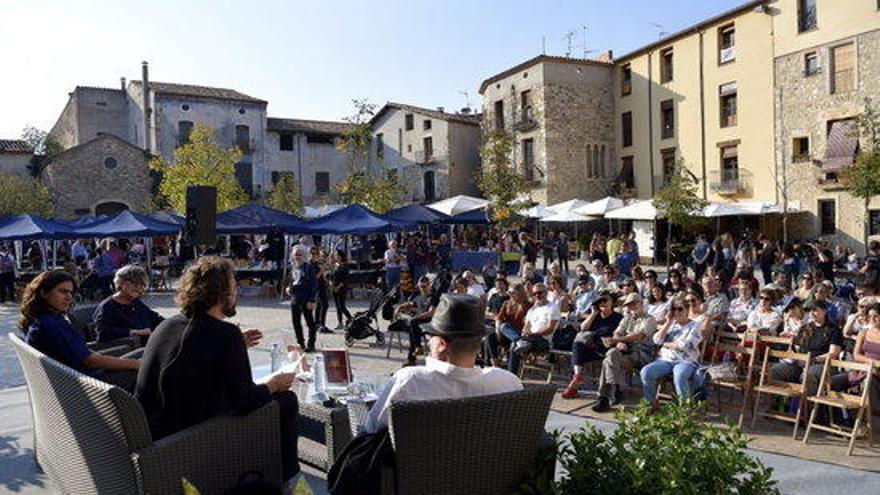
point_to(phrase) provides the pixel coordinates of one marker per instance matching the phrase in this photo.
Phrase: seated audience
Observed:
(765, 320)
(590, 344)
(497, 296)
(584, 296)
(196, 365)
(44, 306)
(509, 322)
(658, 303)
(679, 341)
(124, 314)
(867, 350)
(540, 323)
(413, 314)
(741, 306)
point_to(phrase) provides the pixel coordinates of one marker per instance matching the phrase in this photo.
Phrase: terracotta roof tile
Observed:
(313, 126)
(15, 146)
(199, 91)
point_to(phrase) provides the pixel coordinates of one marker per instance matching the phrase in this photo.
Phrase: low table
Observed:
(323, 433)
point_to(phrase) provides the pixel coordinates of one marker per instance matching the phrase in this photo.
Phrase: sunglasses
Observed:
(764, 298)
(539, 292)
(678, 308)
(690, 301)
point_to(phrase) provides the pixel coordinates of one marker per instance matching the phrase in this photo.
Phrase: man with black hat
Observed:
(450, 371)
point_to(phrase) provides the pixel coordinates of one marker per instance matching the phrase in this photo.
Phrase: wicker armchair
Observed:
(91, 437)
(485, 443)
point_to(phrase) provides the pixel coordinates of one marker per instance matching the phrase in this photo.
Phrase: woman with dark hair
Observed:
(44, 306)
(196, 364)
(339, 284)
(674, 283)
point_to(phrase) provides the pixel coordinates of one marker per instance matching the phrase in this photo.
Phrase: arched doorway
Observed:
(430, 193)
(110, 208)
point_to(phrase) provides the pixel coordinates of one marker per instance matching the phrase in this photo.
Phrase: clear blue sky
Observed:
(308, 59)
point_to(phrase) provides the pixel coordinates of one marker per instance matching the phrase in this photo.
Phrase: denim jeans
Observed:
(507, 335)
(538, 344)
(392, 278)
(682, 374)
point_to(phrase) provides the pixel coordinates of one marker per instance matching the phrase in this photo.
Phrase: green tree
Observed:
(499, 181)
(863, 177)
(201, 162)
(679, 202)
(19, 195)
(43, 144)
(376, 188)
(285, 195)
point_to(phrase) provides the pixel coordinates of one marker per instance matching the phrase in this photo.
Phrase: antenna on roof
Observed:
(569, 38)
(543, 45)
(467, 98)
(660, 29)
(584, 27)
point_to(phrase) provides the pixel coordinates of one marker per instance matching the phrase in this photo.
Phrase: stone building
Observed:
(435, 153)
(307, 149)
(827, 62)
(102, 176)
(15, 157)
(560, 112)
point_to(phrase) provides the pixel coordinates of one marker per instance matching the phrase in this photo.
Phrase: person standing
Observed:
(303, 290)
(562, 252)
(548, 248)
(339, 287)
(393, 261)
(104, 270)
(7, 275)
(700, 256)
(322, 269)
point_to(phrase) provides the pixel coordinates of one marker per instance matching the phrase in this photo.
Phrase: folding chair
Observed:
(743, 360)
(781, 389)
(666, 381)
(843, 400)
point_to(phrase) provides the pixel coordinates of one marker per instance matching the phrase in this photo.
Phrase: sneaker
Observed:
(324, 329)
(602, 405)
(571, 391)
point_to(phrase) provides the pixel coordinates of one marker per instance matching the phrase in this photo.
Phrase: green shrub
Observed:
(673, 453)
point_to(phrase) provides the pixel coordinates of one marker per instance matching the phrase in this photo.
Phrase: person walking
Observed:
(7, 275)
(339, 287)
(303, 291)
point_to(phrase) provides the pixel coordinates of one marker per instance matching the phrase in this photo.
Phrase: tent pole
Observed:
(54, 253)
(44, 252)
(148, 246)
(284, 263)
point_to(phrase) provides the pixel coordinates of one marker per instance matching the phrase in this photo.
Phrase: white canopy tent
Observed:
(458, 204)
(567, 206)
(537, 212)
(638, 210)
(567, 216)
(600, 207)
(740, 209)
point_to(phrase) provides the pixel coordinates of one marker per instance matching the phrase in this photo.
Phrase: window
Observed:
(627, 127)
(807, 18)
(827, 217)
(276, 176)
(667, 119)
(625, 80)
(602, 161)
(525, 104)
(428, 146)
(408, 122)
(285, 142)
(101, 103)
(322, 182)
(729, 164)
(320, 138)
(811, 64)
(244, 173)
(596, 167)
(110, 163)
(184, 128)
(727, 100)
(184, 107)
(380, 145)
(668, 161)
(428, 185)
(627, 174)
(528, 154)
(426, 125)
(874, 222)
(800, 149)
(499, 115)
(841, 145)
(243, 138)
(843, 68)
(666, 65)
(591, 172)
(726, 44)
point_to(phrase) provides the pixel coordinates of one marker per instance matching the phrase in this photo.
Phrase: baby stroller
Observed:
(362, 323)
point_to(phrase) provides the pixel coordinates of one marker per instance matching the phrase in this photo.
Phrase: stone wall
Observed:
(804, 106)
(16, 164)
(82, 177)
(305, 160)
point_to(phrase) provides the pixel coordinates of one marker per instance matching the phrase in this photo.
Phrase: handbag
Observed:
(722, 371)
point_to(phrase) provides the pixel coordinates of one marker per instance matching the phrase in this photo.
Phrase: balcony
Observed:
(425, 158)
(527, 121)
(730, 182)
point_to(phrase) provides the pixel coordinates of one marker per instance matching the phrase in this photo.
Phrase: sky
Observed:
(308, 59)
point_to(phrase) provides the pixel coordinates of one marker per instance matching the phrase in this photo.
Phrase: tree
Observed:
(500, 182)
(679, 202)
(19, 195)
(43, 144)
(863, 177)
(201, 162)
(285, 196)
(380, 190)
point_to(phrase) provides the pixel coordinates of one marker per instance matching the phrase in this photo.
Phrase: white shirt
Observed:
(476, 290)
(539, 317)
(767, 321)
(658, 310)
(438, 380)
(392, 259)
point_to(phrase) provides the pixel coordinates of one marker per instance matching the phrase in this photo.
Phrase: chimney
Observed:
(608, 56)
(145, 86)
(441, 109)
(122, 83)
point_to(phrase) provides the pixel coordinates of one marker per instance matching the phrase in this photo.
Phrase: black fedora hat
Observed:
(457, 315)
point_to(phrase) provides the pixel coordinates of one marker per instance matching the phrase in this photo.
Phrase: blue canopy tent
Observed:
(168, 217)
(258, 219)
(416, 213)
(473, 217)
(85, 220)
(32, 227)
(356, 220)
(127, 224)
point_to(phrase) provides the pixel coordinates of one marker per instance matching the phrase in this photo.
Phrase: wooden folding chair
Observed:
(743, 361)
(538, 361)
(843, 400)
(666, 381)
(781, 389)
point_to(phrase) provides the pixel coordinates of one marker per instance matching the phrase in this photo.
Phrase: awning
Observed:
(569, 205)
(355, 220)
(537, 212)
(127, 224)
(843, 144)
(639, 210)
(458, 204)
(415, 213)
(567, 216)
(600, 207)
(28, 227)
(258, 219)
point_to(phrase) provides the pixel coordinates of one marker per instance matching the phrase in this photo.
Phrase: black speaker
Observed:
(201, 215)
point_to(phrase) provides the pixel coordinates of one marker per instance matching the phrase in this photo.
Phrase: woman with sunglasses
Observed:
(793, 318)
(693, 301)
(765, 320)
(557, 295)
(741, 306)
(805, 288)
(588, 343)
(858, 322)
(674, 283)
(679, 354)
(867, 350)
(658, 304)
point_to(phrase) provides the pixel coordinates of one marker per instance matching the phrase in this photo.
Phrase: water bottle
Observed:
(275, 357)
(318, 388)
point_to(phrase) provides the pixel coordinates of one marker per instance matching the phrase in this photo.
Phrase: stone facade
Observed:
(92, 112)
(98, 177)
(558, 110)
(805, 106)
(449, 167)
(15, 157)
